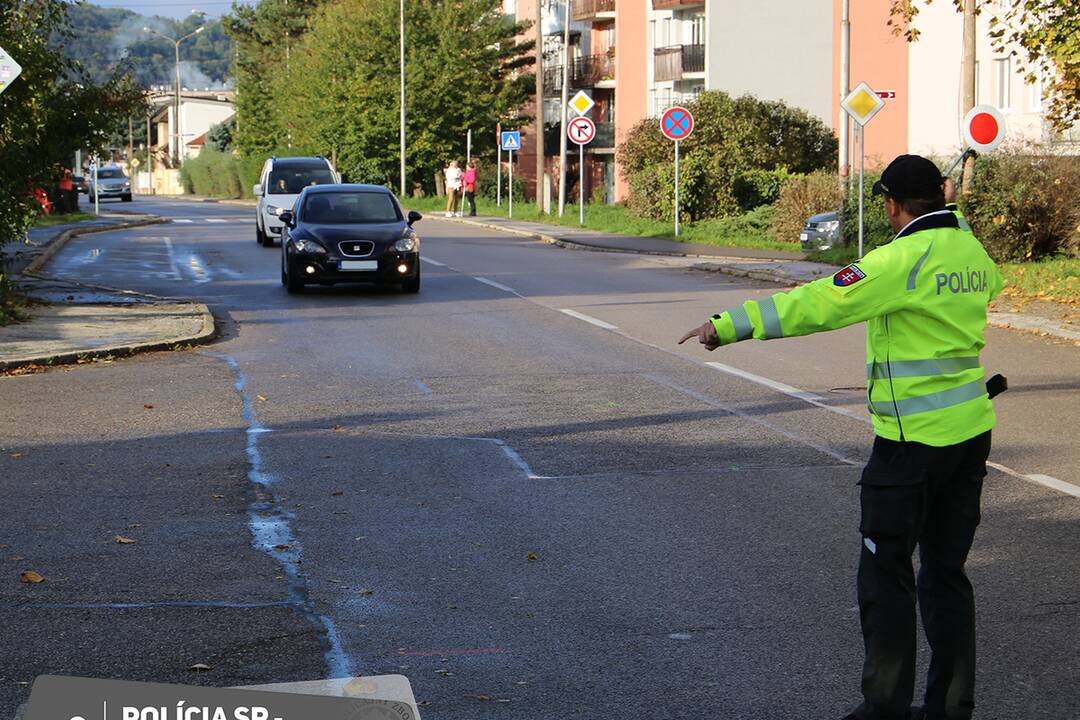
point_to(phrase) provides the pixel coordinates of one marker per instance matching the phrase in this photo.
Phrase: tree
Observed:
(219, 136)
(338, 93)
(1048, 32)
(49, 111)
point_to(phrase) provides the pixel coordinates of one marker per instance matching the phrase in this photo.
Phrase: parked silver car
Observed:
(822, 232)
(111, 183)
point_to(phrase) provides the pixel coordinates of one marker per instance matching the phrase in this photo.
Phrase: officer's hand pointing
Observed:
(706, 335)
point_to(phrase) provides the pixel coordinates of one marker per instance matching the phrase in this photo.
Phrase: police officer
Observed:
(923, 297)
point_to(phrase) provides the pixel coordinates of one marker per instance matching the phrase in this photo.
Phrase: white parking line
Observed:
(497, 286)
(429, 261)
(589, 319)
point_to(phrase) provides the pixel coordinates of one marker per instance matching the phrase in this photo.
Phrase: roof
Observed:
(199, 141)
(348, 187)
(300, 162)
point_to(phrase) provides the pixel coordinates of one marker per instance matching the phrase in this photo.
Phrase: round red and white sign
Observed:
(677, 123)
(983, 128)
(581, 130)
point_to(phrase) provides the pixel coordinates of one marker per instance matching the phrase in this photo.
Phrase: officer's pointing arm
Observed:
(870, 287)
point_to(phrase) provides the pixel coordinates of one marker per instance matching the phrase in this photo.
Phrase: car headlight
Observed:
(309, 246)
(275, 211)
(409, 242)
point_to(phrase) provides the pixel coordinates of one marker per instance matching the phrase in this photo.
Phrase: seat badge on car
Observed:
(356, 248)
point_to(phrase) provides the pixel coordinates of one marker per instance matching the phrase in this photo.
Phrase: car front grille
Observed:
(356, 248)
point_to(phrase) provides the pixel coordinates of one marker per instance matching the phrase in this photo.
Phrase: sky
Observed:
(170, 8)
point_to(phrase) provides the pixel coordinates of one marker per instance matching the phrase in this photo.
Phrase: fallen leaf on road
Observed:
(360, 537)
(444, 672)
(121, 540)
(365, 592)
(482, 698)
(282, 546)
(15, 456)
(260, 398)
(29, 576)
(148, 407)
(135, 525)
(339, 428)
(200, 667)
(218, 497)
(337, 493)
(531, 557)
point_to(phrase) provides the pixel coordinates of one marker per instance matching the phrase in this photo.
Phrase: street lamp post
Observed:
(176, 119)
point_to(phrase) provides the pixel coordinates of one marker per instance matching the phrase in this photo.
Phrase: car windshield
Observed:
(351, 207)
(110, 173)
(291, 181)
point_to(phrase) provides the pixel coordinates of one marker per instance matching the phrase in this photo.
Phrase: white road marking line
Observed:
(492, 283)
(183, 220)
(215, 220)
(786, 389)
(1046, 480)
(429, 261)
(172, 258)
(422, 387)
(713, 402)
(589, 319)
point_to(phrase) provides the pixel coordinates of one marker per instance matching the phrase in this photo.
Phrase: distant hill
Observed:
(103, 38)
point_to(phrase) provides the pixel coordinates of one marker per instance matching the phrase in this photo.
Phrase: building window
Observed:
(1035, 92)
(1003, 77)
(697, 30)
(665, 33)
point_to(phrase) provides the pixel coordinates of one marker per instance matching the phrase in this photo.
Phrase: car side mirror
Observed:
(256, 190)
(414, 216)
(286, 217)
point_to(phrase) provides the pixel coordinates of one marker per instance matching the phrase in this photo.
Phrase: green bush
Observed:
(802, 196)
(756, 223)
(1025, 204)
(214, 174)
(876, 228)
(487, 188)
(738, 157)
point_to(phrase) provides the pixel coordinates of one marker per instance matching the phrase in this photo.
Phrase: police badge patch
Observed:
(848, 276)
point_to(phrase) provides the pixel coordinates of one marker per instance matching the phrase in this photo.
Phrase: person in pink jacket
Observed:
(469, 185)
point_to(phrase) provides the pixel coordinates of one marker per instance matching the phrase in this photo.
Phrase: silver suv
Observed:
(111, 182)
(280, 184)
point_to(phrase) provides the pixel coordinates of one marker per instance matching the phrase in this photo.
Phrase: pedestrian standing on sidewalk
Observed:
(923, 297)
(453, 188)
(469, 183)
(69, 200)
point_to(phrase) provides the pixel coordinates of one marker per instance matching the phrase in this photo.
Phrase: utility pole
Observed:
(149, 155)
(401, 128)
(176, 119)
(540, 106)
(845, 88)
(565, 98)
(967, 81)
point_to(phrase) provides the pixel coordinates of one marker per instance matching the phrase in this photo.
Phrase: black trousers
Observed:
(470, 197)
(914, 494)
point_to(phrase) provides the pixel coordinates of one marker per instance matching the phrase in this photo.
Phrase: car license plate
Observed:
(803, 237)
(358, 265)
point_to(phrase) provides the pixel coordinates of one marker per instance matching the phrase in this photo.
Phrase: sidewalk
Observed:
(785, 268)
(72, 322)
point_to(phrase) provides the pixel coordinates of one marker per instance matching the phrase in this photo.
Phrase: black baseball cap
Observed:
(909, 177)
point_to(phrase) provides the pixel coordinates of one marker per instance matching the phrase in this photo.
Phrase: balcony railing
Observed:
(675, 4)
(584, 72)
(589, 9)
(672, 63)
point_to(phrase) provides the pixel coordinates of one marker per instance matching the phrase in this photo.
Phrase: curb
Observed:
(61, 239)
(208, 332)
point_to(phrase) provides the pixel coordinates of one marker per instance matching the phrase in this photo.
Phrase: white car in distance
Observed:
(280, 183)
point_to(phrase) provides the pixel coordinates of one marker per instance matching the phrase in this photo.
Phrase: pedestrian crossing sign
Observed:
(511, 140)
(9, 70)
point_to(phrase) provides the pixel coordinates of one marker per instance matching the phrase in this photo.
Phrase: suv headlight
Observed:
(275, 211)
(409, 242)
(829, 227)
(309, 246)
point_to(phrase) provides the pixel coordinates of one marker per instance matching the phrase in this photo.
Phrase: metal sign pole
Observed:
(510, 181)
(676, 188)
(862, 185)
(95, 161)
(468, 157)
(581, 184)
(498, 165)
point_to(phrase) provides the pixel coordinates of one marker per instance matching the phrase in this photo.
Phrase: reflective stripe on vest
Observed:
(920, 368)
(933, 401)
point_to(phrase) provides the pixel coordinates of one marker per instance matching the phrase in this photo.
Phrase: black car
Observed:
(349, 234)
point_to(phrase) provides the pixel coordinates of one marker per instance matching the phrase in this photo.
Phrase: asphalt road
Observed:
(512, 488)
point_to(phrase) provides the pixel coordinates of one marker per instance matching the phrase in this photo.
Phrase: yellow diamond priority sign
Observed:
(581, 103)
(862, 103)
